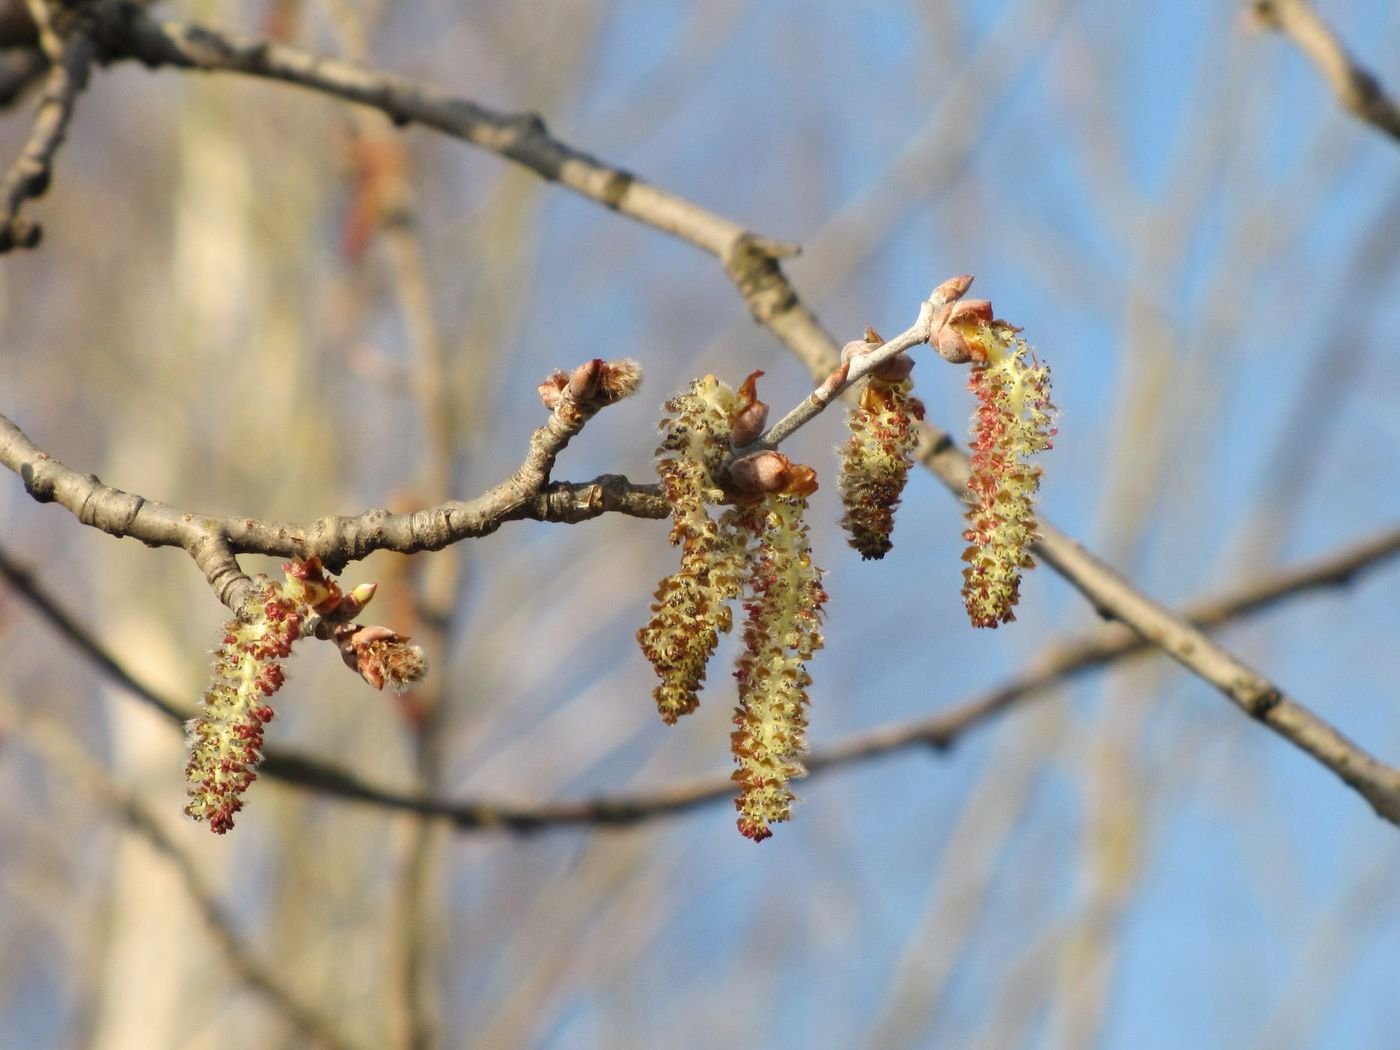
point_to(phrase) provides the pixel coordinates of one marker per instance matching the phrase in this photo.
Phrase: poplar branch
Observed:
(28, 178)
(1356, 88)
(214, 541)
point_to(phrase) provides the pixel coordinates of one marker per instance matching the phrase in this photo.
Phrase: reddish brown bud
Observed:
(951, 290)
(952, 347)
(760, 472)
(619, 379)
(353, 603)
(752, 414)
(381, 656)
(583, 382)
(765, 472)
(952, 324)
(314, 587)
(592, 384)
(970, 311)
(552, 389)
(853, 349)
(895, 370)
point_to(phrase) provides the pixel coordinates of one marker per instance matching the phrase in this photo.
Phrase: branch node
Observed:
(1261, 700)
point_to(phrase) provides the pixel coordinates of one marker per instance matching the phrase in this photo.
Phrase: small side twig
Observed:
(1356, 88)
(933, 313)
(29, 176)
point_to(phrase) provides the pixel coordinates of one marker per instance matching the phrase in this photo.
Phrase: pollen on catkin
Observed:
(1013, 419)
(875, 462)
(691, 607)
(781, 632)
(225, 741)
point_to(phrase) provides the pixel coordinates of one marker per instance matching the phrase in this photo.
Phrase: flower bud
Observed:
(583, 381)
(752, 415)
(551, 391)
(380, 655)
(951, 290)
(769, 472)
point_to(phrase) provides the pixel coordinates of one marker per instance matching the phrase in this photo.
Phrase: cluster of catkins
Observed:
(756, 549)
(737, 509)
(225, 741)
(737, 517)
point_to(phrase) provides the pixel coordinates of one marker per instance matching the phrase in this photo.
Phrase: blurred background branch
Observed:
(938, 732)
(1356, 88)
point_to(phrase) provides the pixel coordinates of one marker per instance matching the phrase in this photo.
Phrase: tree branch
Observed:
(29, 176)
(1355, 87)
(213, 541)
(1108, 644)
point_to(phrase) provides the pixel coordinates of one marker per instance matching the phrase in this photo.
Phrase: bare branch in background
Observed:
(53, 741)
(939, 732)
(1357, 89)
(29, 176)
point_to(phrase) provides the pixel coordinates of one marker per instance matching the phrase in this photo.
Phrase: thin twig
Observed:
(29, 176)
(939, 732)
(1355, 87)
(933, 313)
